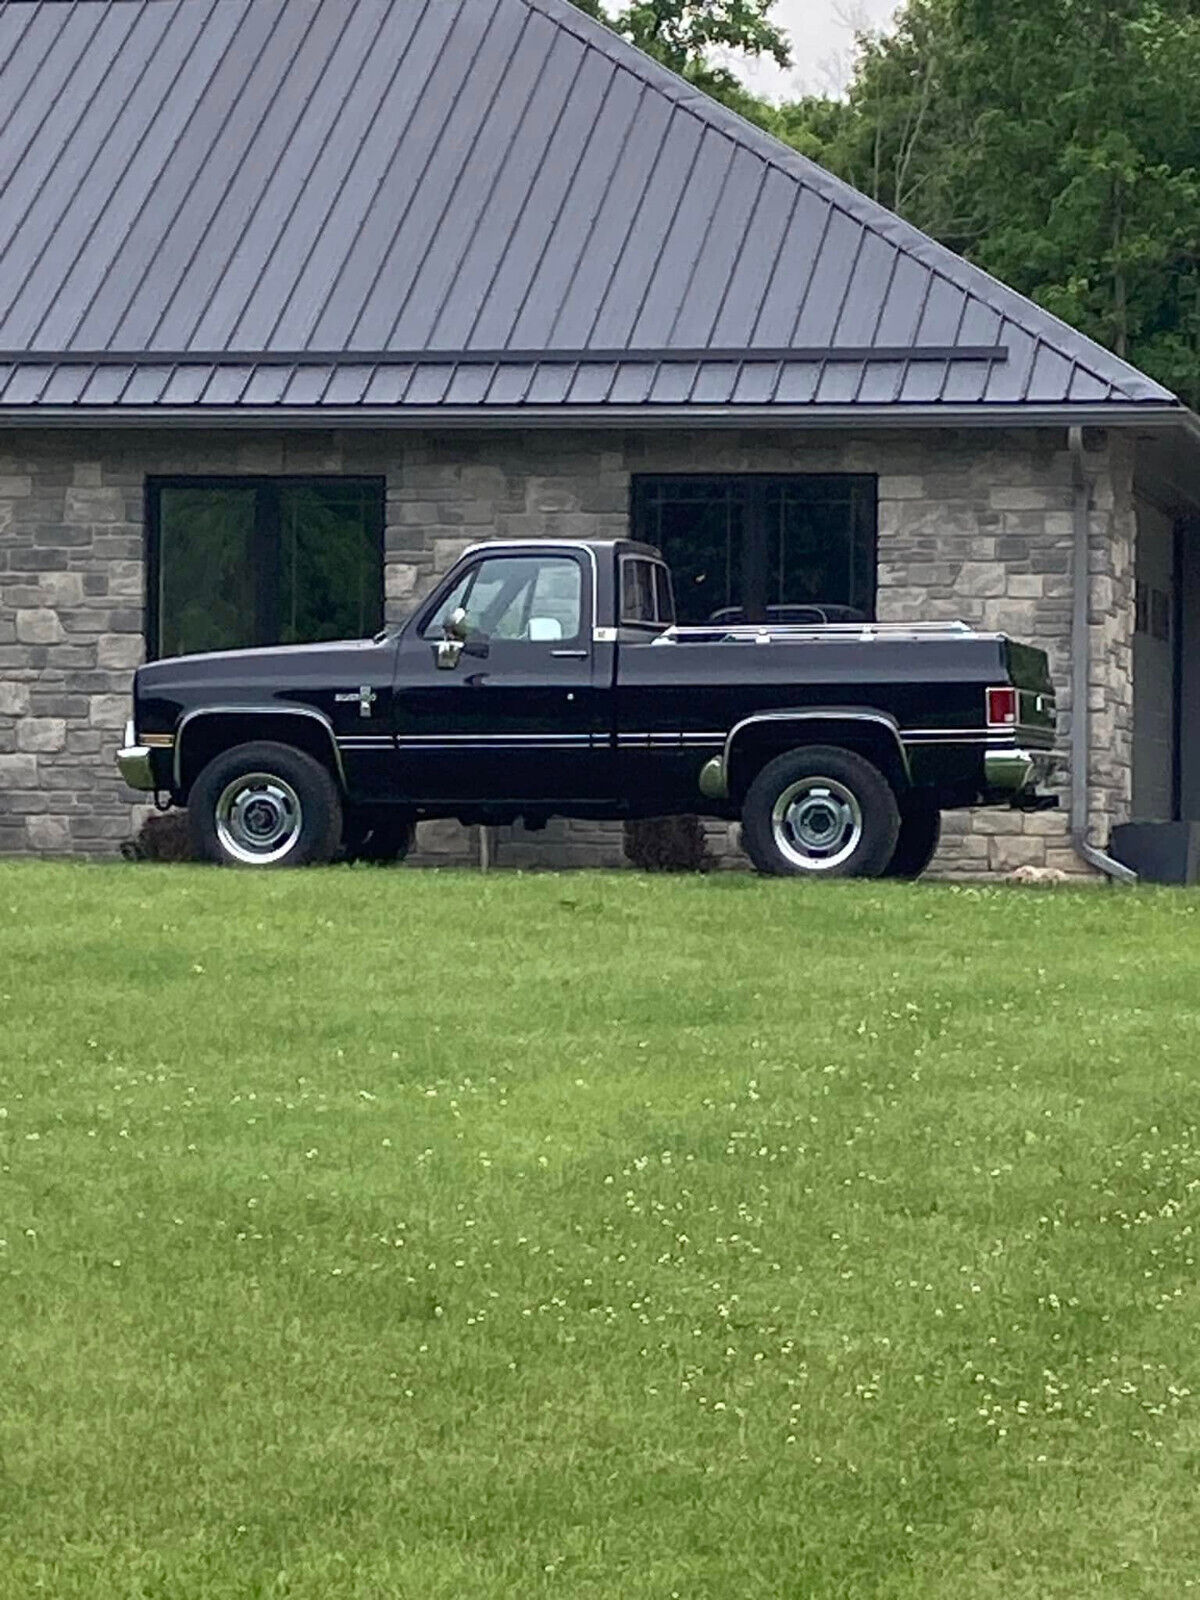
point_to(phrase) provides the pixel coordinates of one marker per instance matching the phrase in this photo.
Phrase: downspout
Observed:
(1081, 660)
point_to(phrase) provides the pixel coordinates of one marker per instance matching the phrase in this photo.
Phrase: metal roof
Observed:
(460, 208)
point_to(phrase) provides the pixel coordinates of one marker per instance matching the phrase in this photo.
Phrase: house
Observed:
(300, 297)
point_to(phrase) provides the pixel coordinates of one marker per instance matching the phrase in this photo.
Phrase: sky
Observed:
(822, 34)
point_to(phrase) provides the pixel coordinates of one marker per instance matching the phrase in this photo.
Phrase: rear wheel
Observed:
(264, 805)
(821, 812)
(920, 835)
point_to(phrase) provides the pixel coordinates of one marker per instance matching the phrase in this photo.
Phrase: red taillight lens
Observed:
(1002, 708)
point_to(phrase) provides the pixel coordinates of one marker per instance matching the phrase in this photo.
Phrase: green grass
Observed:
(430, 1235)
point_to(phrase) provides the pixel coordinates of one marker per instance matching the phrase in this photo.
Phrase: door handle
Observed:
(569, 655)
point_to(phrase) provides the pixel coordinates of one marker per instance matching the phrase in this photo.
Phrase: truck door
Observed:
(519, 714)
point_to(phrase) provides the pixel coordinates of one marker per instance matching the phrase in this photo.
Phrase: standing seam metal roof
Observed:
(481, 205)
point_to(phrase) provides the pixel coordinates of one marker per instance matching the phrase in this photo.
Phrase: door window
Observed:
(522, 599)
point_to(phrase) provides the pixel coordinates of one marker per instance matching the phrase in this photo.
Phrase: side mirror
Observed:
(545, 630)
(448, 652)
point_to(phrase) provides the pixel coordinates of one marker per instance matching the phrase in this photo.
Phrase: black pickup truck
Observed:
(548, 678)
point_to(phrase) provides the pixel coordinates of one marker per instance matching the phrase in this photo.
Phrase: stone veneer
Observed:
(971, 524)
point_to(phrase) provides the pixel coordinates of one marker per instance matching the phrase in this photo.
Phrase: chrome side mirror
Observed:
(457, 625)
(448, 652)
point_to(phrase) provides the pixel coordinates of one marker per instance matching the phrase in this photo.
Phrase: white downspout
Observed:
(1081, 658)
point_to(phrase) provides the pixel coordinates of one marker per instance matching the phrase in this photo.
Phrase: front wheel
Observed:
(264, 805)
(821, 812)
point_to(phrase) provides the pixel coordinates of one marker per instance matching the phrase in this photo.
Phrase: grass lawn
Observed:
(428, 1235)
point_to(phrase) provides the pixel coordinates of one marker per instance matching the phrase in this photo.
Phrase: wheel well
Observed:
(763, 741)
(208, 735)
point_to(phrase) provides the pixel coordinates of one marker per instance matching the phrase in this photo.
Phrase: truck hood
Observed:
(281, 663)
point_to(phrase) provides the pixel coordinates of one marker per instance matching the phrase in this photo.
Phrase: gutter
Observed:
(481, 418)
(1081, 661)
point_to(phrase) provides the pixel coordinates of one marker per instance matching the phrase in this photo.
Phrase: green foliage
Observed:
(685, 34)
(819, 128)
(1054, 142)
(680, 33)
(430, 1236)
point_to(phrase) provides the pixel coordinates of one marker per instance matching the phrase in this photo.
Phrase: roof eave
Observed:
(1152, 415)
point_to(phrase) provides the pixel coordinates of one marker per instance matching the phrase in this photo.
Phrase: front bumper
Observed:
(134, 763)
(714, 779)
(1018, 772)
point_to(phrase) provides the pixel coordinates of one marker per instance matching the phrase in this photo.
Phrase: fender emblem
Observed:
(365, 696)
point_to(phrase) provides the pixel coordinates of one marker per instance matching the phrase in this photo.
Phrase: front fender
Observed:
(201, 729)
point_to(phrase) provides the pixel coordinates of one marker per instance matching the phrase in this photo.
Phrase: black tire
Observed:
(288, 813)
(379, 840)
(821, 812)
(920, 835)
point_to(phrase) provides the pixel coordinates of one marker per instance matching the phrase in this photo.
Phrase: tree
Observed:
(689, 35)
(1054, 142)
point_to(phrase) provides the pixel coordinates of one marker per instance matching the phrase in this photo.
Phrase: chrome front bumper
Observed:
(133, 763)
(1018, 772)
(714, 780)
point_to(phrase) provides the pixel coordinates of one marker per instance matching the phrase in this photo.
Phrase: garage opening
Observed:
(1188, 687)
(1155, 686)
(1166, 668)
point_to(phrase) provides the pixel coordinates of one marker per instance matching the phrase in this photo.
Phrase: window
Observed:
(664, 592)
(531, 599)
(637, 591)
(646, 593)
(750, 542)
(260, 561)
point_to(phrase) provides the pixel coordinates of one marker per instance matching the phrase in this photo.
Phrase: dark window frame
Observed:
(859, 493)
(267, 530)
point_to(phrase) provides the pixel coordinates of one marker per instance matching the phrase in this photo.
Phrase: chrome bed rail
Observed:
(790, 633)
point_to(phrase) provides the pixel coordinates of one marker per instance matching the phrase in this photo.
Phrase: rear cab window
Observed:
(647, 600)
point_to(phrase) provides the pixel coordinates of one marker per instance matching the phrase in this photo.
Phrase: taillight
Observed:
(1002, 708)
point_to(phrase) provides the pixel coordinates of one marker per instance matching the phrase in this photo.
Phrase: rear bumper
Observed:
(1018, 773)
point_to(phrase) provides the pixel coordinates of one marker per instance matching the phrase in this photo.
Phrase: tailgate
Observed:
(1029, 673)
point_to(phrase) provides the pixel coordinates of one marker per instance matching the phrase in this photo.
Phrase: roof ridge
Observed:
(1007, 303)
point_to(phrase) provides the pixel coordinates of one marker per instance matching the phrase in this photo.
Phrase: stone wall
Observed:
(977, 525)
(986, 533)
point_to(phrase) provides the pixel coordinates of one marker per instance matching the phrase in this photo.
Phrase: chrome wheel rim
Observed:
(259, 819)
(817, 823)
